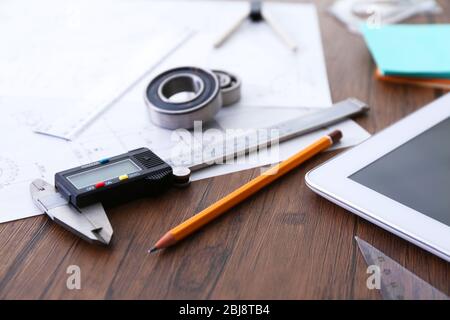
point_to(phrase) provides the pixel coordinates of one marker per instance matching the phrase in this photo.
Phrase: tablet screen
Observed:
(416, 174)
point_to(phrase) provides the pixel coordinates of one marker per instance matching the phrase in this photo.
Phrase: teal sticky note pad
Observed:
(411, 50)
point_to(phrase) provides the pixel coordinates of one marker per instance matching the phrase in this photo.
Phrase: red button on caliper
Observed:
(99, 184)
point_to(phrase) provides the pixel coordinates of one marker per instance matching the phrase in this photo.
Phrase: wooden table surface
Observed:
(283, 243)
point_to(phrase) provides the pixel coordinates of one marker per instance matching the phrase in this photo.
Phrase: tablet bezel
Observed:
(332, 181)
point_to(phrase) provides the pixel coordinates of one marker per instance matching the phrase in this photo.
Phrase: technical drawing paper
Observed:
(34, 93)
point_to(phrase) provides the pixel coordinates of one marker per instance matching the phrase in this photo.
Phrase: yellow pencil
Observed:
(213, 211)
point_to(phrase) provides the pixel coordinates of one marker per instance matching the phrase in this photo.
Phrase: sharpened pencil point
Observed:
(153, 250)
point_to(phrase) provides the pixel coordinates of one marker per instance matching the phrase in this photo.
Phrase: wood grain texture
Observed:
(283, 243)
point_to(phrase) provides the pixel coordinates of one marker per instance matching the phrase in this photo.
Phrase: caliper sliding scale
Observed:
(90, 221)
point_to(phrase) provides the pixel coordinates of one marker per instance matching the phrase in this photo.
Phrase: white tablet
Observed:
(398, 179)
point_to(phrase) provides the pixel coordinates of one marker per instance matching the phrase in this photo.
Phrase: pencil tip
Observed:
(153, 250)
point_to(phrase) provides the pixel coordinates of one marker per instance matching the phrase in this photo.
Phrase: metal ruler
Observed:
(208, 155)
(398, 283)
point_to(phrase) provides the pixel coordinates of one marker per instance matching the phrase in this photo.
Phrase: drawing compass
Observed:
(90, 223)
(396, 282)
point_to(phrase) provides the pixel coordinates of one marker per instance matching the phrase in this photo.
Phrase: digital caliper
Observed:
(75, 201)
(125, 177)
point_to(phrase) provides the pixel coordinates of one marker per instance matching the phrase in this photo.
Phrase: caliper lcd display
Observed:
(110, 171)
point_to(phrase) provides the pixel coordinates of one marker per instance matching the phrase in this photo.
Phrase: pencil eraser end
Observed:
(336, 136)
